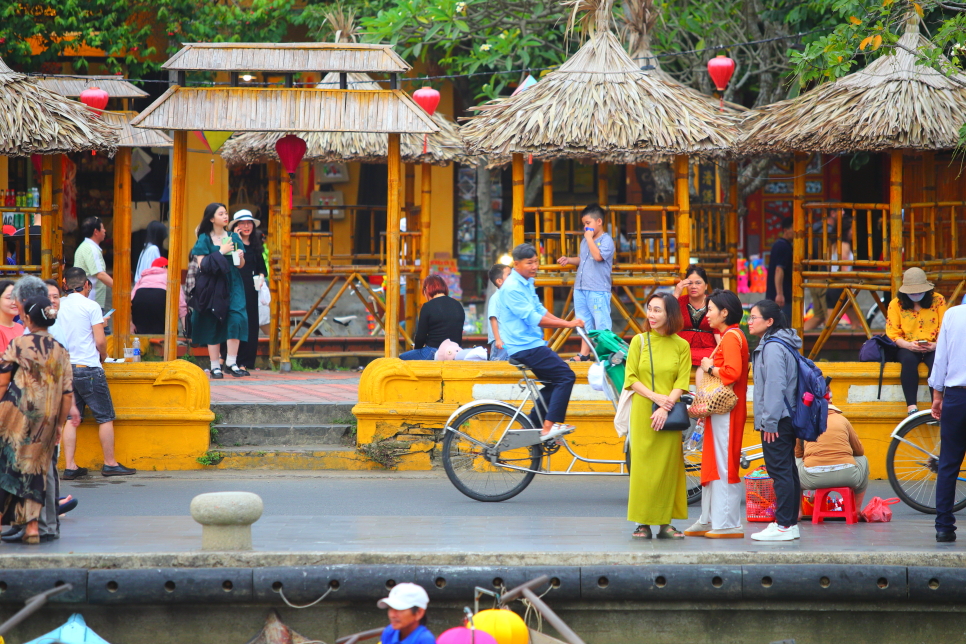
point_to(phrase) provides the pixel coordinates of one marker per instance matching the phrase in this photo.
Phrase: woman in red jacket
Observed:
(692, 296)
(721, 500)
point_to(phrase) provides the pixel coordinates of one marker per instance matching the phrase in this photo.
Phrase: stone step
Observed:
(294, 457)
(275, 436)
(311, 414)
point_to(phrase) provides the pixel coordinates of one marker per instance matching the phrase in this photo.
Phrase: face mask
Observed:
(916, 297)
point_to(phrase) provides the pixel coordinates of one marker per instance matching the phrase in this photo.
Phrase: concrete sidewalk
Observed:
(294, 386)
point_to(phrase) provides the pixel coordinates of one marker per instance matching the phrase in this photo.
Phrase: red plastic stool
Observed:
(819, 512)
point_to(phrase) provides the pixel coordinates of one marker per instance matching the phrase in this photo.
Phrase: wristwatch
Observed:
(710, 371)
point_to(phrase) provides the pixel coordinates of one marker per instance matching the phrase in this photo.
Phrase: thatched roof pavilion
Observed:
(894, 103)
(445, 146)
(34, 120)
(115, 86)
(600, 105)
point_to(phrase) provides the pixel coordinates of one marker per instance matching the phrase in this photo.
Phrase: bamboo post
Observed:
(412, 224)
(285, 274)
(733, 220)
(682, 199)
(929, 196)
(275, 259)
(425, 210)
(895, 219)
(46, 218)
(519, 194)
(549, 226)
(122, 251)
(392, 251)
(603, 187)
(176, 236)
(798, 245)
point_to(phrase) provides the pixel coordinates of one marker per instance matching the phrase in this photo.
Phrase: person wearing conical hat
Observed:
(913, 322)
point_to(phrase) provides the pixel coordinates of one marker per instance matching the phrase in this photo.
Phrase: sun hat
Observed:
(243, 215)
(160, 262)
(914, 281)
(405, 595)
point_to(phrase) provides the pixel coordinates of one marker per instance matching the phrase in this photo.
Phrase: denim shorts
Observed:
(593, 307)
(90, 390)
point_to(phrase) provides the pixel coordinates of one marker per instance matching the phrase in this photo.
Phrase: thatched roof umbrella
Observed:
(34, 120)
(894, 103)
(444, 147)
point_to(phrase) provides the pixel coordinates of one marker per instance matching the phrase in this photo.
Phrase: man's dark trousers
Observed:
(558, 379)
(952, 432)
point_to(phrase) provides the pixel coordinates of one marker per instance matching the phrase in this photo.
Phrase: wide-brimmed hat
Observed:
(243, 215)
(914, 281)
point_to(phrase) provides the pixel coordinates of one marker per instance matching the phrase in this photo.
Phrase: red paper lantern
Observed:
(95, 98)
(720, 68)
(427, 98)
(290, 149)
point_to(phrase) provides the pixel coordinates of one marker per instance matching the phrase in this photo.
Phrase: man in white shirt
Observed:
(80, 328)
(90, 257)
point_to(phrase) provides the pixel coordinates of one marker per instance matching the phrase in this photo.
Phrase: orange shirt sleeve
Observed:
(728, 357)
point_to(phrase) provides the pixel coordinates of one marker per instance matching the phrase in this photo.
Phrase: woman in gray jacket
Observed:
(776, 382)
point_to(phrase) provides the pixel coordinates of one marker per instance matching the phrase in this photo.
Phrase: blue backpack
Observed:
(808, 419)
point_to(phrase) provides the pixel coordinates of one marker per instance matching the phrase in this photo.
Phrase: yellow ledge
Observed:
(163, 413)
(416, 397)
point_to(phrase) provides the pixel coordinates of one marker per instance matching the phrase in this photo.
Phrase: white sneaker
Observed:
(775, 532)
(558, 429)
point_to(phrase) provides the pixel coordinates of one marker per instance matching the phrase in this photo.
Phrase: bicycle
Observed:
(913, 460)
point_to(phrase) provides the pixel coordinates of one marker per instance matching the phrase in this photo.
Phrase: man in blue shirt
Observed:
(521, 315)
(406, 604)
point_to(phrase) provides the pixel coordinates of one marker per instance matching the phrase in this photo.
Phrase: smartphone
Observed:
(109, 313)
(922, 342)
(587, 229)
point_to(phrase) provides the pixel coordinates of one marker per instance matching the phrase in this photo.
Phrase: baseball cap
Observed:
(160, 262)
(405, 595)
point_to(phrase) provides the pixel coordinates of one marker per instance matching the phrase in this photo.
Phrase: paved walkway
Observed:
(293, 387)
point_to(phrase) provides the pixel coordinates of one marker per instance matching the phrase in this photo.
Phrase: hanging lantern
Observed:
(720, 68)
(428, 99)
(95, 97)
(505, 626)
(290, 150)
(212, 140)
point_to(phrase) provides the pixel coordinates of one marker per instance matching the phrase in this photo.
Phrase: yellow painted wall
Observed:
(408, 400)
(163, 415)
(200, 190)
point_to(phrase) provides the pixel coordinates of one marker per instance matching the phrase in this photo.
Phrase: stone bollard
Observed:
(226, 519)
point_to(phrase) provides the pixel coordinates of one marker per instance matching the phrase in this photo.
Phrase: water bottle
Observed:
(137, 349)
(36, 203)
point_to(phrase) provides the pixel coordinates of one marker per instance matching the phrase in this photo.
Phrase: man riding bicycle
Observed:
(521, 315)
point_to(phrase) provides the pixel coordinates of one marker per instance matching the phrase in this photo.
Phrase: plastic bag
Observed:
(877, 510)
(595, 376)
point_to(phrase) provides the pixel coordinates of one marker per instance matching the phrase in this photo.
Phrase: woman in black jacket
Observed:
(440, 318)
(244, 224)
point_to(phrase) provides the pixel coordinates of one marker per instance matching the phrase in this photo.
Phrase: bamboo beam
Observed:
(548, 226)
(412, 225)
(733, 219)
(46, 218)
(929, 195)
(121, 326)
(682, 199)
(275, 259)
(392, 250)
(519, 194)
(285, 273)
(895, 219)
(425, 214)
(603, 187)
(798, 245)
(176, 236)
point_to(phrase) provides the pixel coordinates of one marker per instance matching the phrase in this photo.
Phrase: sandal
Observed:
(580, 358)
(642, 532)
(670, 532)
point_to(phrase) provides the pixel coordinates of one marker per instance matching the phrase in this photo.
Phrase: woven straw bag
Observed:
(713, 397)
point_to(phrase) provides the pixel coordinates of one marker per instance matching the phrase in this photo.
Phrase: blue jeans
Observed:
(593, 307)
(426, 353)
(558, 381)
(952, 433)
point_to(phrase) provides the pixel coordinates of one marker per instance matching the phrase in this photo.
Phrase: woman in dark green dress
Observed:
(206, 329)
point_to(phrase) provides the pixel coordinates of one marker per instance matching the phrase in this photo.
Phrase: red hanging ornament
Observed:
(428, 99)
(290, 150)
(96, 98)
(720, 68)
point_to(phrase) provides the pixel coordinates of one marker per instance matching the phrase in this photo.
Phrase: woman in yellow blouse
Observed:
(913, 324)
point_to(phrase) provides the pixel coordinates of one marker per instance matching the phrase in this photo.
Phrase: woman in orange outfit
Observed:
(721, 500)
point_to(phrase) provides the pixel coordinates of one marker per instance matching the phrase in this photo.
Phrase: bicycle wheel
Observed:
(468, 462)
(912, 463)
(692, 476)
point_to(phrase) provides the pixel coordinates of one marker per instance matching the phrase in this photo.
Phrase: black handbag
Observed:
(677, 419)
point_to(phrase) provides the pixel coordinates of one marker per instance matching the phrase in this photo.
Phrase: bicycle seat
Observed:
(517, 363)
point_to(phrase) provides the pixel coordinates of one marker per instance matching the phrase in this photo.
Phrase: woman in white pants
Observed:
(721, 498)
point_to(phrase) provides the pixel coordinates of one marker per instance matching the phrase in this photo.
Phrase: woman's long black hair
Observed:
(907, 304)
(206, 225)
(155, 234)
(770, 310)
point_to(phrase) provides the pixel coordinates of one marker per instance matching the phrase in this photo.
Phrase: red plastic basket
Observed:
(760, 499)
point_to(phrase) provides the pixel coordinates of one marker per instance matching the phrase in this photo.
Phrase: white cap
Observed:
(406, 595)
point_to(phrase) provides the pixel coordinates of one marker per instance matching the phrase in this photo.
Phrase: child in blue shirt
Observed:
(406, 604)
(498, 273)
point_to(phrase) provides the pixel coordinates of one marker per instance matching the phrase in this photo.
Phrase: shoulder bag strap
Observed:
(651, 356)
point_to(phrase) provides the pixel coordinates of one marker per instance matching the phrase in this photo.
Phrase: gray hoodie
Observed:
(776, 379)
